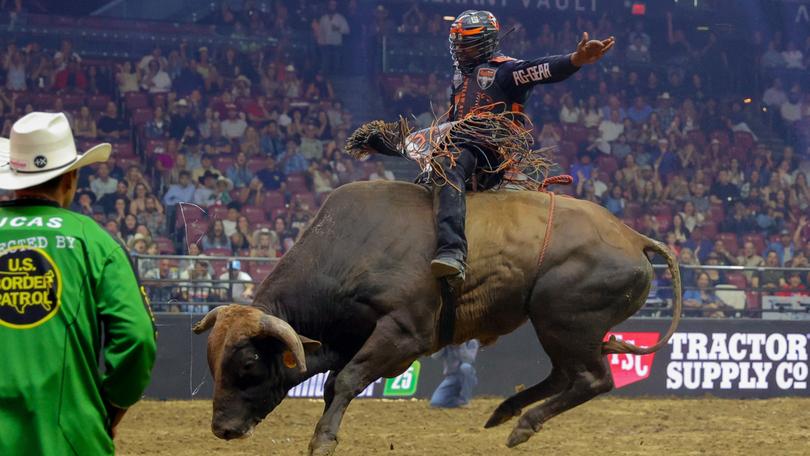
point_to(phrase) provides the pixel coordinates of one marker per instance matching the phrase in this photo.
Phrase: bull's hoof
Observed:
(501, 415)
(519, 435)
(322, 446)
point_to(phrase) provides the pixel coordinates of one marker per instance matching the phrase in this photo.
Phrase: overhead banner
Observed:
(742, 358)
(562, 6)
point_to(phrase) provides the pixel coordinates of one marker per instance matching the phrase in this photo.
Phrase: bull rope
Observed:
(563, 180)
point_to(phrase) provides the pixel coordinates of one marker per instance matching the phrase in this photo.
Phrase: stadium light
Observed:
(747, 100)
(449, 18)
(638, 9)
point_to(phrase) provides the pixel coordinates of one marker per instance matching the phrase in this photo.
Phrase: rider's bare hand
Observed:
(589, 51)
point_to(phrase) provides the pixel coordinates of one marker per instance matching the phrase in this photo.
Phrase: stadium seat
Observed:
(219, 252)
(607, 164)
(716, 213)
(218, 212)
(72, 100)
(297, 183)
(135, 100)
(223, 162)
(272, 201)
(731, 295)
(254, 214)
(123, 149)
(190, 213)
(709, 229)
(662, 209)
(154, 146)
(254, 164)
(165, 245)
(697, 137)
(98, 102)
(737, 279)
(260, 270)
(141, 115)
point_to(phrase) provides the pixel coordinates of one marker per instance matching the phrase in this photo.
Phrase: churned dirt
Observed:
(610, 426)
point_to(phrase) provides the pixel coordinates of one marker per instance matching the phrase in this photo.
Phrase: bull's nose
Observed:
(226, 433)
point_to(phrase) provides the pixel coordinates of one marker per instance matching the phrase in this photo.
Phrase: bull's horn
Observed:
(207, 322)
(275, 327)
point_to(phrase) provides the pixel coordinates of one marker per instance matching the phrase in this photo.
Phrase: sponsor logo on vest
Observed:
(535, 73)
(744, 361)
(30, 288)
(628, 368)
(486, 76)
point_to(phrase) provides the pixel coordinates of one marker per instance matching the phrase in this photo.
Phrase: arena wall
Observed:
(739, 358)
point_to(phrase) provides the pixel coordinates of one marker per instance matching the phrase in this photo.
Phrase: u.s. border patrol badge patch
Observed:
(485, 76)
(30, 288)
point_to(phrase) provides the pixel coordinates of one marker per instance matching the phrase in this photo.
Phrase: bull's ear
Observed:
(309, 344)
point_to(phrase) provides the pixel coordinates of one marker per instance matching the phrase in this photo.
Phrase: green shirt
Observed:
(68, 298)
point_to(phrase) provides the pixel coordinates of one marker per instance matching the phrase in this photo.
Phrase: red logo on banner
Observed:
(628, 368)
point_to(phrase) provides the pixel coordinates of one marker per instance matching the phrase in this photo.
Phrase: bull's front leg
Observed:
(389, 347)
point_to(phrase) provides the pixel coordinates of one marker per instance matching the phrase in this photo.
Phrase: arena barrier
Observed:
(732, 358)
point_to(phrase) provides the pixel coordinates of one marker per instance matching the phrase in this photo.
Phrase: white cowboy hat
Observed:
(41, 148)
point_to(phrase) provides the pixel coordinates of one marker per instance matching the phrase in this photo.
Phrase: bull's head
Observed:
(255, 359)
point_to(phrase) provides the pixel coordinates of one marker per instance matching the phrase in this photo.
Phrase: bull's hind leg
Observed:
(390, 349)
(513, 406)
(586, 373)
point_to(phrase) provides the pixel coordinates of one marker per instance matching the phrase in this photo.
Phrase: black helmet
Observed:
(473, 39)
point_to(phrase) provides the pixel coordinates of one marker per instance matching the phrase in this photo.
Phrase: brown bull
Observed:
(355, 297)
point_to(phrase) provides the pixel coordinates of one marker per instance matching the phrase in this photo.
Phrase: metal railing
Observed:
(175, 286)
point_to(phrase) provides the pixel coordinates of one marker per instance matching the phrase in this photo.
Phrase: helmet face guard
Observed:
(473, 39)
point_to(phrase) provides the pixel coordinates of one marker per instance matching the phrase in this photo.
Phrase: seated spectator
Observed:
(272, 142)
(691, 218)
(239, 173)
(380, 173)
(155, 79)
(769, 278)
(738, 221)
(158, 126)
(292, 161)
(703, 302)
(785, 248)
(84, 202)
(138, 202)
(239, 244)
(135, 177)
(270, 177)
(775, 95)
(222, 195)
(71, 78)
(637, 51)
(206, 165)
(238, 287)
(285, 235)
(217, 144)
(188, 80)
(84, 126)
(570, 112)
(679, 229)
(198, 285)
(232, 217)
(215, 237)
(234, 126)
(110, 125)
(250, 144)
(311, 147)
(14, 64)
(127, 79)
(182, 123)
(723, 255)
(159, 283)
(205, 193)
(119, 211)
(614, 202)
(794, 286)
(103, 183)
(182, 191)
(263, 245)
(152, 215)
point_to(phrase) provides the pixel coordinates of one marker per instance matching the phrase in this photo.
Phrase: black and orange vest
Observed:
(480, 90)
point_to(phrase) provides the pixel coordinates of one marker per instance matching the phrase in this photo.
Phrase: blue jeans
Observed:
(456, 388)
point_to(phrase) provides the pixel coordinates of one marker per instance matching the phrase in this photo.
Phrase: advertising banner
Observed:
(734, 358)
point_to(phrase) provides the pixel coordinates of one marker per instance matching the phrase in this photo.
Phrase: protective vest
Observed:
(480, 91)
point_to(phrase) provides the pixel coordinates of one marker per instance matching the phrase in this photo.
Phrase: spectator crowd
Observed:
(228, 151)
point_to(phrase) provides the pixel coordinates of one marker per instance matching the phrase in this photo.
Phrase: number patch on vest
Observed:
(485, 76)
(30, 288)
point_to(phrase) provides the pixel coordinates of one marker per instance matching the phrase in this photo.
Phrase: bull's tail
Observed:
(618, 346)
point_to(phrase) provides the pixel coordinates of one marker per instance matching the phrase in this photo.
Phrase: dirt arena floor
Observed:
(611, 426)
